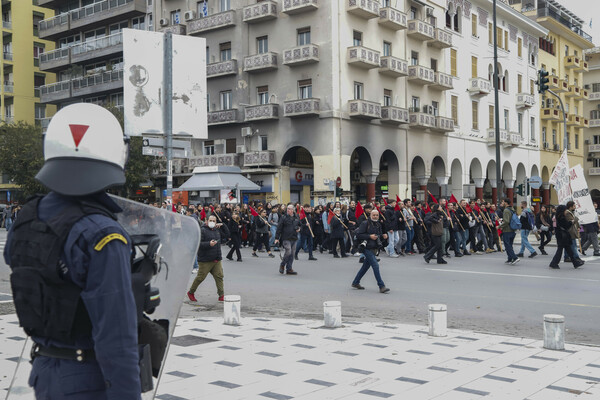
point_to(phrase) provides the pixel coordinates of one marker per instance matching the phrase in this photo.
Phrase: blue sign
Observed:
(205, 8)
(164, 193)
(245, 199)
(8, 196)
(176, 18)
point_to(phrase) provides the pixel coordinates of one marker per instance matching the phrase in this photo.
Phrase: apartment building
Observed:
(561, 54)
(88, 59)
(591, 111)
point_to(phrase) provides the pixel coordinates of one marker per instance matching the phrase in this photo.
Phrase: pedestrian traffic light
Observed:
(520, 189)
(338, 192)
(543, 81)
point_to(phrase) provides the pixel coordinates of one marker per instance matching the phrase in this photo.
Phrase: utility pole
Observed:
(496, 108)
(168, 108)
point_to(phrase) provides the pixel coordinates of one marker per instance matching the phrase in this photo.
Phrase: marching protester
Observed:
(306, 233)
(273, 221)
(543, 222)
(564, 226)
(235, 237)
(435, 225)
(287, 235)
(391, 227)
(370, 233)
(337, 234)
(318, 229)
(573, 230)
(510, 224)
(527, 224)
(262, 233)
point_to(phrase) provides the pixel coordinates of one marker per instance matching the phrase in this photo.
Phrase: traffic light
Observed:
(543, 81)
(338, 192)
(520, 189)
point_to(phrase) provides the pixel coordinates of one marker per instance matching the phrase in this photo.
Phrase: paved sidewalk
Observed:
(299, 359)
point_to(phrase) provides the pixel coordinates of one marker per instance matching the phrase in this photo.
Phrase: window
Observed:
(117, 99)
(95, 34)
(490, 33)
(415, 104)
(435, 106)
(414, 58)
(305, 89)
(303, 36)
(207, 54)
(226, 100)
(175, 17)
(492, 118)
(358, 91)
(387, 97)
(544, 138)
(506, 120)
(263, 143)
(532, 129)
(149, 24)
(70, 41)
(138, 23)
(566, 50)
(357, 38)
(209, 147)
(225, 51)
(595, 87)
(474, 25)
(413, 12)
(387, 49)
(520, 47)
(40, 111)
(506, 40)
(385, 3)
(520, 123)
(453, 62)
(38, 48)
(499, 33)
(263, 94)
(262, 44)
(596, 139)
(433, 64)
(568, 140)
(531, 86)
(475, 114)
(596, 162)
(202, 8)
(473, 67)
(519, 83)
(457, 21)
(230, 146)
(225, 5)
(454, 102)
(554, 137)
(576, 141)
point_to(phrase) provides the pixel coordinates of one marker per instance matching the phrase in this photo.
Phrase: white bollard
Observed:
(231, 309)
(332, 312)
(554, 332)
(438, 320)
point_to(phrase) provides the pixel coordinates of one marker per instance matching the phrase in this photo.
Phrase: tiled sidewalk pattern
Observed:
(296, 359)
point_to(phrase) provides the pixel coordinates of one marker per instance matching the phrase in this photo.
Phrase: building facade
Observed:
(591, 111)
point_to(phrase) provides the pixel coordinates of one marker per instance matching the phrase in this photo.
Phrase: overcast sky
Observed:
(585, 9)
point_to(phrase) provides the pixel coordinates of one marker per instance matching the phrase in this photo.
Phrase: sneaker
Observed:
(533, 254)
(458, 255)
(479, 252)
(229, 258)
(239, 260)
(357, 254)
(567, 260)
(394, 255)
(596, 254)
(578, 263)
(489, 251)
(471, 251)
(271, 255)
(442, 262)
(520, 255)
(516, 260)
(383, 290)
(426, 259)
(386, 251)
(221, 298)
(554, 266)
(312, 259)
(508, 262)
(254, 254)
(543, 252)
(447, 255)
(281, 269)
(191, 296)
(357, 286)
(291, 272)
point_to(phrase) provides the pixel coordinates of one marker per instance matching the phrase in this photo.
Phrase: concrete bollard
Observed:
(554, 332)
(438, 320)
(231, 310)
(332, 312)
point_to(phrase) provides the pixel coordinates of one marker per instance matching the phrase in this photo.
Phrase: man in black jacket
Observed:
(391, 227)
(435, 222)
(209, 256)
(372, 233)
(287, 234)
(306, 235)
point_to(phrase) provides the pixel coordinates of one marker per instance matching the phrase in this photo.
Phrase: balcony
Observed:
(442, 39)
(301, 108)
(421, 30)
(53, 27)
(585, 123)
(525, 100)
(479, 86)
(394, 115)
(594, 171)
(576, 64)
(55, 92)
(9, 87)
(514, 140)
(594, 96)
(363, 8)
(441, 81)
(420, 75)
(260, 12)
(215, 160)
(177, 29)
(364, 109)
(585, 94)
(574, 91)
(98, 14)
(223, 117)
(301, 55)
(261, 112)
(265, 158)
(394, 67)
(7, 56)
(491, 138)
(574, 120)
(594, 123)
(260, 62)
(55, 59)
(568, 22)
(550, 113)
(443, 124)
(292, 7)
(222, 68)
(211, 23)
(363, 57)
(393, 19)
(97, 48)
(6, 24)
(420, 120)
(593, 148)
(98, 83)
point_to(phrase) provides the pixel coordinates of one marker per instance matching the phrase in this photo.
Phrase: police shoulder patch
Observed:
(109, 238)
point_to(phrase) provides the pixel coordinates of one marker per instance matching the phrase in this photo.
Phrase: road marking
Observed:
(513, 275)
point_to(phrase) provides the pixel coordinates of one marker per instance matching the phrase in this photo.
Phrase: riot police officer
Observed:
(71, 264)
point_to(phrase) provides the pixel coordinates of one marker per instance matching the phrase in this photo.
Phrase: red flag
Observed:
(397, 208)
(359, 210)
(202, 214)
(433, 198)
(297, 208)
(398, 199)
(453, 199)
(253, 212)
(477, 208)
(468, 208)
(385, 201)
(330, 217)
(426, 209)
(301, 213)
(212, 209)
(376, 206)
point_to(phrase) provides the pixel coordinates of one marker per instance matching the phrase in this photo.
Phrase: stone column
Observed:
(442, 181)
(371, 179)
(546, 193)
(536, 193)
(423, 183)
(510, 191)
(479, 187)
(494, 191)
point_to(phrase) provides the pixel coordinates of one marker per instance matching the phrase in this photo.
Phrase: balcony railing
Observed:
(514, 139)
(525, 100)
(223, 117)
(98, 79)
(54, 24)
(301, 55)
(550, 113)
(421, 120)
(394, 115)
(6, 24)
(585, 123)
(212, 22)
(94, 10)
(574, 120)
(301, 107)
(113, 40)
(420, 30)
(420, 74)
(364, 8)
(292, 7)
(479, 86)
(264, 158)
(585, 94)
(176, 29)
(222, 68)
(260, 62)
(262, 11)
(8, 56)
(393, 67)
(549, 12)
(594, 171)
(9, 86)
(55, 91)
(9, 119)
(392, 18)
(55, 58)
(215, 160)
(363, 57)
(442, 39)
(262, 112)
(593, 148)
(364, 109)
(443, 124)
(594, 96)
(491, 138)
(441, 81)
(574, 91)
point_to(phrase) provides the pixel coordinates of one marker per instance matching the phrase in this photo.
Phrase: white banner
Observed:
(228, 196)
(560, 179)
(581, 196)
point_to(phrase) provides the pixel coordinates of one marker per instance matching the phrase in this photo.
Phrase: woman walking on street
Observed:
(235, 232)
(563, 239)
(543, 222)
(262, 233)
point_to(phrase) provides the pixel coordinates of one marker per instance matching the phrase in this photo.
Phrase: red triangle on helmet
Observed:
(78, 131)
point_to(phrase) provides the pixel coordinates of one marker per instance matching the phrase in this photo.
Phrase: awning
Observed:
(218, 178)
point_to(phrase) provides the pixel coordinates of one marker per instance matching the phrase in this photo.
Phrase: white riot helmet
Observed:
(84, 151)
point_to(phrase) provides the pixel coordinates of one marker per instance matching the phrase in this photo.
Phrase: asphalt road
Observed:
(481, 292)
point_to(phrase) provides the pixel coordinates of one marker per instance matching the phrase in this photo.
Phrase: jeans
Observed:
(288, 257)
(574, 249)
(393, 239)
(508, 238)
(592, 239)
(481, 236)
(8, 223)
(402, 237)
(525, 242)
(461, 241)
(410, 234)
(370, 261)
(305, 240)
(273, 231)
(445, 238)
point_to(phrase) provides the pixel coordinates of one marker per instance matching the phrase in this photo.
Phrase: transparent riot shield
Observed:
(174, 257)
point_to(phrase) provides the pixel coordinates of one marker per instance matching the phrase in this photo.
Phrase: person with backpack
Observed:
(564, 240)
(510, 225)
(527, 220)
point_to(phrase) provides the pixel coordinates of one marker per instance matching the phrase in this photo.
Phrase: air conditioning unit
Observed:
(546, 145)
(240, 149)
(556, 147)
(586, 141)
(189, 15)
(246, 131)
(429, 12)
(163, 22)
